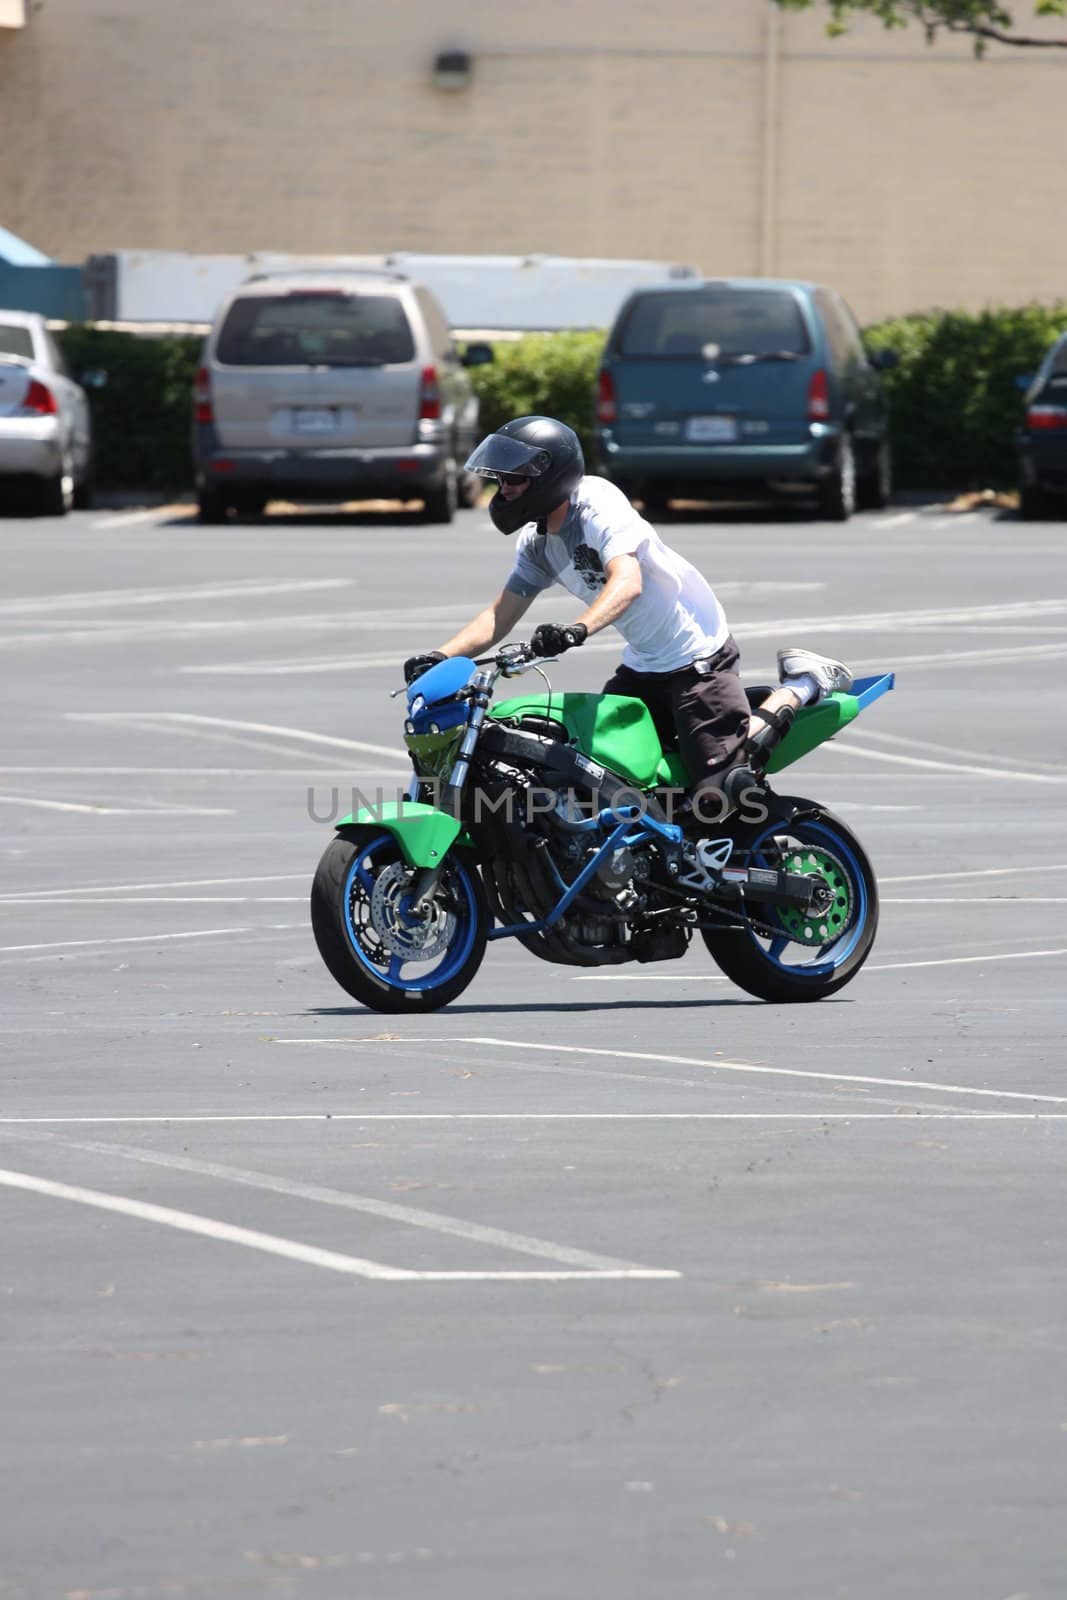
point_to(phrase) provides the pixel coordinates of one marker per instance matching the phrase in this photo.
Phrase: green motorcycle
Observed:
(550, 818)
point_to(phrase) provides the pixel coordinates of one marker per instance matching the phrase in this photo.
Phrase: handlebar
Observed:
(513, 659)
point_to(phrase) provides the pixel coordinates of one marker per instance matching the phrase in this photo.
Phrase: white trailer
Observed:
(483, 294)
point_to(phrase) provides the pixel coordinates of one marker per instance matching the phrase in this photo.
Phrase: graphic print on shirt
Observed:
(588, 563)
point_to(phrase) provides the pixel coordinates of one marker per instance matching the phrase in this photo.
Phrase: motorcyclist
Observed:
(680, 658)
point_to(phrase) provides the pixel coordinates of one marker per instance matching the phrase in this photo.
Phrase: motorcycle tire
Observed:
(807, 955)
(357, 917)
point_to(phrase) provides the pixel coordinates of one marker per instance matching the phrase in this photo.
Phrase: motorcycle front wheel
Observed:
(785, 953)
(386, 957)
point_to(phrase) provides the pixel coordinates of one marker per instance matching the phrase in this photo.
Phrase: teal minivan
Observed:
(743, 386)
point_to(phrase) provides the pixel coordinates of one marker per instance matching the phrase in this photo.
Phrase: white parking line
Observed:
(871, 966)
(877, 737)
(715, 1065)
(291, 1249)
(247, 588)
(188, 719)
(170, 883)
(409, 1216)
(148, 938)
(977, 872)
(163, 900)
(1016, 775)
(158, 809)
(128, 519)
(830, 1118)
(899, 520)
(271, 773)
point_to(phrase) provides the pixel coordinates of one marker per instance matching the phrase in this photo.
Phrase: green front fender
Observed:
(424, 834)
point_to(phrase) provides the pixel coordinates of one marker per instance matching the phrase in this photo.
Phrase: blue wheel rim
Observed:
(833, 955)
(449, 964)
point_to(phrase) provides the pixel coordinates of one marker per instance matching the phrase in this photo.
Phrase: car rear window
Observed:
(315, 328)
(739, 321)
(15, 340)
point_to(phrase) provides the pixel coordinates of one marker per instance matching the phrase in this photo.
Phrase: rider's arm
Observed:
(490, 625)
(620, 591)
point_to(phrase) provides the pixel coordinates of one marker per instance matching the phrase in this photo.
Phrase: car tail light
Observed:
(607, 409)
(202, 408)
(1039, 419)
(818, 397)
(39, 398)
(430, 396)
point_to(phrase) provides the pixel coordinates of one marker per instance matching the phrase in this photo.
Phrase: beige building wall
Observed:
(712, 131)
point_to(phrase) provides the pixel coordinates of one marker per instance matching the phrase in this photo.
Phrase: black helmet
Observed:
(538, 448)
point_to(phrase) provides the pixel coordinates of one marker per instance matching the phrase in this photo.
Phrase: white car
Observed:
(45, 427)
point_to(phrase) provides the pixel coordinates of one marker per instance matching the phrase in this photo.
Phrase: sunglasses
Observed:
(510, 478)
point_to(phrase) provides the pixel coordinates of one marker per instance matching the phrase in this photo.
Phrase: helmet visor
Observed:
(501, 458)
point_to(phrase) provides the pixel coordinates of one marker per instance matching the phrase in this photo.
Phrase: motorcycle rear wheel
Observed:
(795, 956)
(384, 959)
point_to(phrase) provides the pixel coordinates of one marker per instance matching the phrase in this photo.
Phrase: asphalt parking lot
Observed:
(609, 1284)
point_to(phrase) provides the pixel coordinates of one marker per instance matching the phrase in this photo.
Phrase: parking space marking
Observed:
(871, 966)
(409, 1216)
(294, 1250)
(97, 599)
(271, 773)
(929, 763)
(171, 883)
(190, 720)
(975, 872)
(1029, 613)
(877, 737)
(169, 900)
(828, 1118)
(150, 938)
(127, 519)
(715, 1065)
(155, 809)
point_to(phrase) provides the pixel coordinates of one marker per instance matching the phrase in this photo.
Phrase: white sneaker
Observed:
(831, 676)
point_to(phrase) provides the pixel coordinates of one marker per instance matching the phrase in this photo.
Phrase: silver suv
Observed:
(333, 386)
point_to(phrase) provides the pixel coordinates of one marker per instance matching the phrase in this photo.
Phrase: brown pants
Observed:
(704, 714)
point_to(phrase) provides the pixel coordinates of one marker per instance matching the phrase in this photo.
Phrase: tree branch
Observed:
(983, 31)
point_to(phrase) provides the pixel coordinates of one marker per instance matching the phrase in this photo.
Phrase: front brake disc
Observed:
(421, 938)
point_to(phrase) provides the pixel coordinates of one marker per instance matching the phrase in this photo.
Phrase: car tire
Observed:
(874, 488)
(837, 491)
(469, 490)
(55, 496)
(439, 505)
(250, 505)
(211, 507)
(656, 497)
(85, 491)
(1034, 505)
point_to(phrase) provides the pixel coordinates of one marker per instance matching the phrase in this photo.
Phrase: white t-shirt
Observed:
(676, 618)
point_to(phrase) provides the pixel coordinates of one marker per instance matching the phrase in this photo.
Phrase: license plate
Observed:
(306, 419)
(710, 430)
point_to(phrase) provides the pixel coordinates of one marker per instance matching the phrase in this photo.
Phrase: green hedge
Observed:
(954, 400)
(542, 374)
(142, 416)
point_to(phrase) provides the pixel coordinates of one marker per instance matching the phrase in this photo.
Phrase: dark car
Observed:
(1041, 443)
(743, 385)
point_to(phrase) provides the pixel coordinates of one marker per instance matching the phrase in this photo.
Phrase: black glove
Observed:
(415, 666)
(549, 639)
